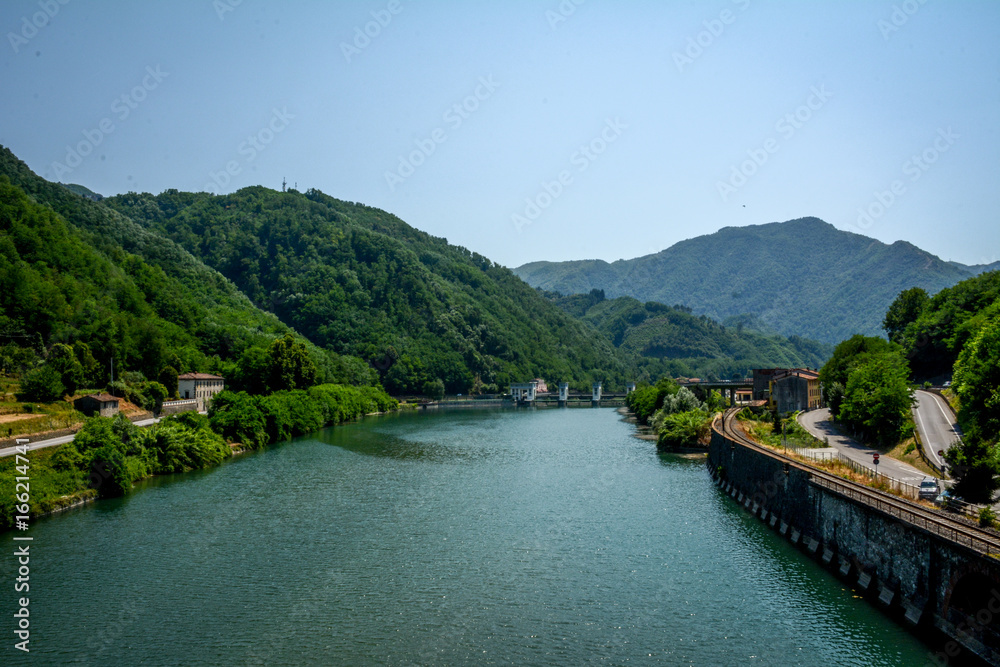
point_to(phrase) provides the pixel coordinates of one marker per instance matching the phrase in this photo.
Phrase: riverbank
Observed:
(109, 456)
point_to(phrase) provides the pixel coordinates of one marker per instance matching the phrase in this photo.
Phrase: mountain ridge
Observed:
(802, 277)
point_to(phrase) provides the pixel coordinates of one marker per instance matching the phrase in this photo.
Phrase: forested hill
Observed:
(362, 282)
(75, 271)
(671, 341)
(803, 277)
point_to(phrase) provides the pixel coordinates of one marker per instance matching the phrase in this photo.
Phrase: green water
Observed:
(547, 537)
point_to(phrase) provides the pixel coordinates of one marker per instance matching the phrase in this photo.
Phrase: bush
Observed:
(684, 429)
(434, 389)
(43, 384)
(987, 517)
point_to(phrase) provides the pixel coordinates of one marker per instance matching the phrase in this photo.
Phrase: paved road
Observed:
(818, 423)
(936, 424)
(52, 442)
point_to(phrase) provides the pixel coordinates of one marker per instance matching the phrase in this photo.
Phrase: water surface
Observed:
(527, 537)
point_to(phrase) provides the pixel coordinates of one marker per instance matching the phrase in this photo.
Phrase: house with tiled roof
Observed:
(200, 387)
(104, 405)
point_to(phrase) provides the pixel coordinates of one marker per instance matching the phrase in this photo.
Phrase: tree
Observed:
(905, 309)
(44, 384)
(434, 389)
(168, 378)
(975, 462)
(109, 472)
(846, 356)
(63, 359)
(977, 382)
(289, 365)
(877, 397)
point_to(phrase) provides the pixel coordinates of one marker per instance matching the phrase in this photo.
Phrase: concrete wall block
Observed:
(885, 594)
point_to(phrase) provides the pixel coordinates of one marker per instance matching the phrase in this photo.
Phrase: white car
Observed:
(929, 489)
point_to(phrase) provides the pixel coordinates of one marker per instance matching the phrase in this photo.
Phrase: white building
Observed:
(200, 387)
(524, 392)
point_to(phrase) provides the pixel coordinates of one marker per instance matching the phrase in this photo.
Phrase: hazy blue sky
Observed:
(582, 129)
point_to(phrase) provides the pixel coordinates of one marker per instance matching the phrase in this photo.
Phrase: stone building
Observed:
(795, 389)
(104, 405)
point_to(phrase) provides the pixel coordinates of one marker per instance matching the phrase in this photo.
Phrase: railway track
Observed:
(904, 510)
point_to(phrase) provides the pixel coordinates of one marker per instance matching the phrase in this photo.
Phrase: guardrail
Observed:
(942, 526)
(910, 490)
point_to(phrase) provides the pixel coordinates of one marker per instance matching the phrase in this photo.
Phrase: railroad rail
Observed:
(917, 515)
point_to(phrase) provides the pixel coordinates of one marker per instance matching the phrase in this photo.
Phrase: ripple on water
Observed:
(497, 537)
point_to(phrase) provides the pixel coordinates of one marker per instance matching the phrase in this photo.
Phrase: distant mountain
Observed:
(361, 282)
(663, 340)
(803, 277)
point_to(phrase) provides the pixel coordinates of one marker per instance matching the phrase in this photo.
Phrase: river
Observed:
(521, 537)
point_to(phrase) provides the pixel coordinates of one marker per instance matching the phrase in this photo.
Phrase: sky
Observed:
(543, 130)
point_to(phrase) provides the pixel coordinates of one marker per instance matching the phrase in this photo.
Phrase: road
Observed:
(818, 423)
(62, 440)
(936, 424)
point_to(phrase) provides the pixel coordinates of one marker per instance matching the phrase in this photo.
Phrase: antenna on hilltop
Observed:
(284, 183)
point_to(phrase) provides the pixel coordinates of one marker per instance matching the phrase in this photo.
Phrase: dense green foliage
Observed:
(360, 282)
(933, 331)
(976, 461)
(647, 399)
(256, 421)
(802, 277)
(660, 340)
(877, 398)
(109, 456)
(75, 272)
(846, 356)
(683, 429)
(866, 385)
(904, 311)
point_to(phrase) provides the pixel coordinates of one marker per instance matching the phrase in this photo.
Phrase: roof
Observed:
(198, 376)
(803, 373)
(103, 398)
